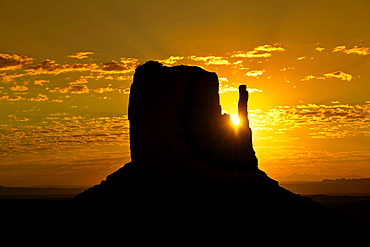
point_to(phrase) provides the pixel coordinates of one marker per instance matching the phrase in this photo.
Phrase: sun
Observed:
(235, 120)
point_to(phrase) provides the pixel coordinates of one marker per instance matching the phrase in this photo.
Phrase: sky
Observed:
(66, 68)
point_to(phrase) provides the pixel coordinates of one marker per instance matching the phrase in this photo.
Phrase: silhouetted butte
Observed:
(187, 159)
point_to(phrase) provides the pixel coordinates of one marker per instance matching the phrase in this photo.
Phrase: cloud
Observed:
(104, 89)
(59, 90)
(48, 66)
(253, 90)
(115, 67)
(127, 65)
(51, 67)
(57, 100)
(124, 78)
(73, 88)
(124, 90)
(338, 74)
(81, 54)
(262, 51)
(11, 98)
(52, 136)
(226, 88)
(80, 87)
(211, 60)
(9, 77)
(320, 49)
(40, 97)
(255, 73)
(18, 119)
(317, 121)
(82, 80)
(40, 82)
(355, 50)
(77, 87)
(130, 61)
(223, 79)
(171, 60)
(311, 77)
(12, 62)
(269, 48)
(18, 88)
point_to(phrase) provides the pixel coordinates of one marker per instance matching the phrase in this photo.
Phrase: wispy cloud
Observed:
(76, 87)
(51, 67)
(263, 51)
(355, 50)
(317, 121)
(104, 89)
(81, 54)
(52, 134)
(211, 60)
(115, 67)
(18, 88)
(130, 61)
(255, 73)
(171, 60)
(226, 88)
(40, 82)
(40, 97)
(12, 62)
(11, 97)
(6, 78)
(338, 74)
(18, 119)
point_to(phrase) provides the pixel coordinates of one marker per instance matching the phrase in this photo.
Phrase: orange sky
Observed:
(66, 69)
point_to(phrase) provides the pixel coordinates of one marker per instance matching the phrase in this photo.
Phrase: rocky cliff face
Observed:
(186, 157)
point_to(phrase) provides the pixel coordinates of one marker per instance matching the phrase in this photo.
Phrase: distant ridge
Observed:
(343, 186)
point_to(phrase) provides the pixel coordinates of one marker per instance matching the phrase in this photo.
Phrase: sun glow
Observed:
(235, 120)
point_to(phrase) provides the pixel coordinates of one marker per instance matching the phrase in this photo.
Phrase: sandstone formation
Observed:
(187, 159)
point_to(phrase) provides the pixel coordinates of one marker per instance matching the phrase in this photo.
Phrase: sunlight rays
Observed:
(235, 120)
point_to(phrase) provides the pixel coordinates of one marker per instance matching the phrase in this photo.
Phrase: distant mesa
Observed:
(186, 156)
